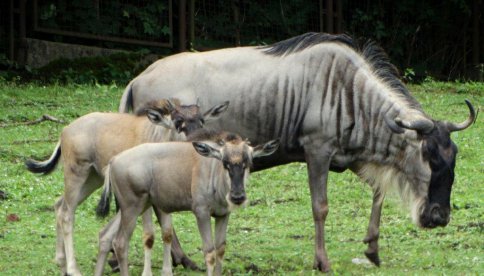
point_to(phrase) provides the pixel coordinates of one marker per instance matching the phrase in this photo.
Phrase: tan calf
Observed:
(172, 177)
(87, 145)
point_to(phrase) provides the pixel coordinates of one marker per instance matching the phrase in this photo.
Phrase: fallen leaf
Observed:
(12, 217)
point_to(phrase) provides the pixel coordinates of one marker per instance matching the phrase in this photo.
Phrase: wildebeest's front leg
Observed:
(318, 168)
(374, 228)
(220, 234)
(205, 229)
(167, 233)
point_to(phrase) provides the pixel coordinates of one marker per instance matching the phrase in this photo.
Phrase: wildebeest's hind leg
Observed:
(79, 182)
(60, 252)
(131, 208)
(374, 228)
(179, 257)
(318, 168)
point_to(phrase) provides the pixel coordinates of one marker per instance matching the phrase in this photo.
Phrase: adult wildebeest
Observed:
(173, 177)
(86, 146)
(334, 107)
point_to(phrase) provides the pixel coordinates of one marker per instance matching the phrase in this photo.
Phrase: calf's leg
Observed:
(131, 207)
(148, 240)
(106, 236)
(167, 234)
(205, 229)
(79, 183)
(220, 235)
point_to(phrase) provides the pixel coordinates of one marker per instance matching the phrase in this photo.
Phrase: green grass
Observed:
(275, 235)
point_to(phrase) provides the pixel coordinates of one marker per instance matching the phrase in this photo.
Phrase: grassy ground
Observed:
(275, 234)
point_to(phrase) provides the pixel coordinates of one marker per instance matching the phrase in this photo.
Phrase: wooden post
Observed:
(22, 45)
(11, 37)
(329, 16)
(235, 9)
(475, 32)
(191, 14)
(321, 16)
(182, 28)
(339, 16)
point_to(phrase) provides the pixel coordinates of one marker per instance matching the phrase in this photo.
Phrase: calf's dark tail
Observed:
(102, 209)
(47, 166)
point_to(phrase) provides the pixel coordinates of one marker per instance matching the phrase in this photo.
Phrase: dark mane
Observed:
(386, 71)
(371, 52)
(304, 41)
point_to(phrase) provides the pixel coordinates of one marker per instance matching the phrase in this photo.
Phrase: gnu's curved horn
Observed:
(472, 118)
(198, 102)
(393, 126)
(421, 124)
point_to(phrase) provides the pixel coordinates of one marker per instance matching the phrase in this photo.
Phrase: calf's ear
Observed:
(214, 112)
(266, 149)
(206, 150)
(159, 119)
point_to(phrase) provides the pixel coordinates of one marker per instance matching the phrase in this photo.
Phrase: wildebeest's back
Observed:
(162, 170)
(97, 137)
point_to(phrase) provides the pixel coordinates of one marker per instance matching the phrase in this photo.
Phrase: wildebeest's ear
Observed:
(159, 119)
(214, 112)
(206, 150)
(266, 149)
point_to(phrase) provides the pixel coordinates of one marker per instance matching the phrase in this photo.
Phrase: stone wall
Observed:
(41, 52)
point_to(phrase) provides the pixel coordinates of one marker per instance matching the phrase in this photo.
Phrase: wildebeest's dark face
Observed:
(236, 162)
(440, 152)
(187, 118)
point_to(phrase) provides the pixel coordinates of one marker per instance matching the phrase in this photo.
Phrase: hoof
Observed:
(373, 257)
(322, 266)
(113, 263)
(187, 263)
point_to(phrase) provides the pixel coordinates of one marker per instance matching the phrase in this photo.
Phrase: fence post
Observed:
(182, 29)
(22, 44)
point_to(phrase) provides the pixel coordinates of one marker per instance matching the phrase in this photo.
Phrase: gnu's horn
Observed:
(421, 124)
(461, 126)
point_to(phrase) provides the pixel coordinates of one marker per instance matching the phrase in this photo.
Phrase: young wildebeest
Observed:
(174, 177)
(87, 145)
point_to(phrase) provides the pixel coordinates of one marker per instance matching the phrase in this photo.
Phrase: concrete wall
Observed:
(41, 52)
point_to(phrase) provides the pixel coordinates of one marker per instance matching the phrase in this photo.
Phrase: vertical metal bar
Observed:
(191, 11)
(170, 19)
(182, 28)
(235, 10)
(339, 16)
(475, 32)
(321, 16)
(22, 49)
(329, 16)
(11, 38)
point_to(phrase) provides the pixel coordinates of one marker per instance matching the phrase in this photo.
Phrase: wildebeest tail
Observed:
(126, 103)
(46, 166)
(102, 209)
